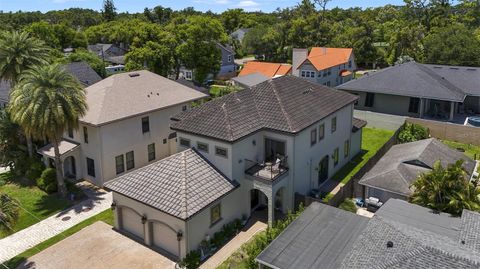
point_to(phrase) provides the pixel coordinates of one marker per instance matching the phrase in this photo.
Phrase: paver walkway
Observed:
(226, 251)
(98, 201)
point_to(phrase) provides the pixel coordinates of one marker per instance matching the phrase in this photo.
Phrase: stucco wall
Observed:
(307, 157)
(384, 103)
(152, 214)
(356, 144)
(334, 78)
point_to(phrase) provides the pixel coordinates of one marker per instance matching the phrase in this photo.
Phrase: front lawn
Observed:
(35, 204)
(470, 150)
(372, 140)
(106, 216)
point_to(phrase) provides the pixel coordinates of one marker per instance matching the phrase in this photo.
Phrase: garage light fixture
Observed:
(144, 219)
(179, 236)
(113, 206)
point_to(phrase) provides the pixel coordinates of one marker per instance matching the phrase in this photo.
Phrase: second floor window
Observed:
(313, 137)
(145, 125)
(308, 74)
(85, 134)
(91, 167)
(130, 160)
(119, 164)
(151, 152)
(223, 152)
(202, 146)
(334, 124)
(346, 148)
(70, 132)
(184, 142)
(321, 132)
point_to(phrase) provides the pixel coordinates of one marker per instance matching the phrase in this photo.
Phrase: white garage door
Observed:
(132, 222)
(165, 238)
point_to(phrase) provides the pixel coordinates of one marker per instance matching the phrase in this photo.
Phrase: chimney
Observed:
(298, 56)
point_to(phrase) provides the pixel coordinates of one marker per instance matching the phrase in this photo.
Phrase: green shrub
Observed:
(412, 132)
(192, 260)
(348, 205)
(48, 181)
(35, 170)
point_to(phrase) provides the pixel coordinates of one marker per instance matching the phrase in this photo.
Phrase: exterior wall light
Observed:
(144, 219)
(113, 205)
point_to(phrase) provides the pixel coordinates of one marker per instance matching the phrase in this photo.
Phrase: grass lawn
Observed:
(372, 140)
(470, 150)
(106, 216)
(215, 90)
(36, 204)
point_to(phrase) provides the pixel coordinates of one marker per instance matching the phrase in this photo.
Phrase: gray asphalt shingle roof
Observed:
(180, 185)
(250, 79)
(465, 78)
(409, 79)
(315, 239)
(401, 165)
(83, 72)
(421, 239)
(286, 104)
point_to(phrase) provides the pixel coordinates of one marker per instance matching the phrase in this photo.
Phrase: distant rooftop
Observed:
(250, 79)
(133, 93)
(323, 58)
(267, 69)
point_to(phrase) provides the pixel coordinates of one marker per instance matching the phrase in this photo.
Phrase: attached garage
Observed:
(164, 237)
(131, 222)
(168, 203)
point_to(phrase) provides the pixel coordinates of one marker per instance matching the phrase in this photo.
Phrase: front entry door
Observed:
(323, 170)
(254, 198)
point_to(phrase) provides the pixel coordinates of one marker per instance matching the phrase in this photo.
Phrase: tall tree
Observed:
(446, 189)
(109, 10)
(20, 52)
(46, 102)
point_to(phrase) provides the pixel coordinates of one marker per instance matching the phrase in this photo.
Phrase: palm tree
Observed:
(20, 52)
(9, 210)
(446, 189)
(46, 102)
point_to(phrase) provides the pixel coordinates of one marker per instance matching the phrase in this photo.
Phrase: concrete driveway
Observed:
(98, 246)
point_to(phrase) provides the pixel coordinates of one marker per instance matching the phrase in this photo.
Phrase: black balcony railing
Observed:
(267, 170)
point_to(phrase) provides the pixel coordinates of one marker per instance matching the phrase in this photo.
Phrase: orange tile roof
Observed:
(323, 58)
(267, 69)
(345, 73)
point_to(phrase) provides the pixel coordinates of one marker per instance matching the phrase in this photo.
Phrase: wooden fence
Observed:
(450, 131)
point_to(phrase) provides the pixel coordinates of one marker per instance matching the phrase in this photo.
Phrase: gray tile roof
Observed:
(250, 79)
(180, 185)
(410, 79)
(315, 239)
(286, 104)
(401, 165)
(133, 93)
(470, 231)
(83, 72)
(358, 124)
(421, 239)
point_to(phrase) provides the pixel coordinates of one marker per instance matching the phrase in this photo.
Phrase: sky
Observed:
(133, 6)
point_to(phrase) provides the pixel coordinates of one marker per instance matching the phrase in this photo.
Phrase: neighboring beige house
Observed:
(251, 149)
(325, 66)
(126, 126)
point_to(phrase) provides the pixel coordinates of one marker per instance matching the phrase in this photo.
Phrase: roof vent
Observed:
(463, 242)
(389, 244)
(307, 91)
(471, 69)
(132, 75)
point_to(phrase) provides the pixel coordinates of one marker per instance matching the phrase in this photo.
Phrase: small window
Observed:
(221, 152)
(321, 132)
(184, 142)
(215, 214)
(130, 160)
(349, 64)
(229, 58)
(188, 75)
(91, 167)
(151, 152)
(313, 137)
(202, 146)
(346, 148)
(164, 141)
(120, 164)
(370, 99)
(85, 134)
(329, 71)
(303, 74)
(184, 108)
(328, 83)
(414, 105)
(334, 124)
(145, 125)
(70, 132)
(335, 156)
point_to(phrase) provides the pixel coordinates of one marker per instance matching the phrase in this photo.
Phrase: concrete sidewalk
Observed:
(226, 251)
(98, 201)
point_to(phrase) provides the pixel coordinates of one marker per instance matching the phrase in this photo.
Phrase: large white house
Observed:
(253, 148)
(126, 126)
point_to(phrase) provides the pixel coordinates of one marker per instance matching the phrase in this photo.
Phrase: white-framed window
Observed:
(334, 124)
(223, 152)
(346, 148)
(313, 137)
(151, 152)
(321, 132)
(215, 214)
(184, 142)
(119, 164)
(202, 147)
(188, 75)
(335, 157)
(130, 160)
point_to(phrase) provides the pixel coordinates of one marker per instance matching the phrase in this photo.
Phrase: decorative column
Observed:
(271, 210)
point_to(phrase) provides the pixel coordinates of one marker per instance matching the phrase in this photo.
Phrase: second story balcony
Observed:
(269, 170)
